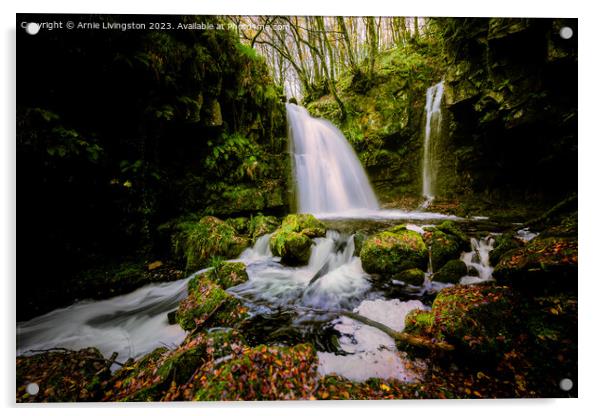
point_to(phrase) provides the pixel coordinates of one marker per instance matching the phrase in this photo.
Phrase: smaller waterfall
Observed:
(432, 131)
(477, 261)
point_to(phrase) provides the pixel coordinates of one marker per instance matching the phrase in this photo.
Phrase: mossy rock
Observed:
(261, 224)
(292, 240)
(452, 272)
(413, 276)
(260, 373)
(152, 377)
(207, 303)
(451, 228)
(444, 248)
(197, 242)
(228, 274)
(503, 244)
(63, 376)
(478, 318)
(388, 253)
(543, 264)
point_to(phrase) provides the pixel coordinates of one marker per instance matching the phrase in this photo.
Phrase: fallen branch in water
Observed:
(402, 337)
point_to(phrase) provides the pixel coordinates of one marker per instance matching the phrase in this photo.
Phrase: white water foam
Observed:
(371, 352)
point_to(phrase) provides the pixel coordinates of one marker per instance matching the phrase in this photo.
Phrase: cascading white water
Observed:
(328, 174)
(333, 278)
(477, 261)
(432, 131)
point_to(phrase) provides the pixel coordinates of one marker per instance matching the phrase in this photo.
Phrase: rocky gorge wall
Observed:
(509, 113)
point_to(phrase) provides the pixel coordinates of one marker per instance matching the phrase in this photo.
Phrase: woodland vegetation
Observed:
(143, 158)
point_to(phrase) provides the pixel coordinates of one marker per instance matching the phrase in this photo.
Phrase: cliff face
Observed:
(511, 100)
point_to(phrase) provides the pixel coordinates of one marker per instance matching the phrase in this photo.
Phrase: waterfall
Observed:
(432, 130)
(477, 261)
(328, 174)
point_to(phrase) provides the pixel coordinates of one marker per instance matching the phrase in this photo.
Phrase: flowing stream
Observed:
(287, 304)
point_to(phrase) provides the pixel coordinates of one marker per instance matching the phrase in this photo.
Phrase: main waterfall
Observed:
(432, 130)
(328, 174)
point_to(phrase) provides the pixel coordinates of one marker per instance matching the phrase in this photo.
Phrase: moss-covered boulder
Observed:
(261, 224)
(502, 245)
(413, 276)
(451, 228)
(390, 252)
(260, 373)
(446, 242)
(548, 263)
(443, 248)
(477, 319)
(292, 240)
(228, 274)
(197, 242)
(208, 304)
(161, 374)
(61, 376)
(240, 224)
(452, 272)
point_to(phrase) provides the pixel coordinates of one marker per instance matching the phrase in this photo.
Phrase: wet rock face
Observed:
(292, 240)
(510, 84)
(390, 252)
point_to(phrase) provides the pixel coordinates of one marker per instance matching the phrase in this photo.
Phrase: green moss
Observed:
(478, 318)
(450, 228)
(419, 322)
(292, 240)
(228, 274)
(155, 376)
(451, 272)
(443, 248)
(260, 225)
(240, 224)
(198, 242)
(411, 276)
(389, 252)
(207, 302)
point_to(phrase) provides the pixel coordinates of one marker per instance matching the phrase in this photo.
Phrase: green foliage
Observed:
(198, 242)
(260, 224)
